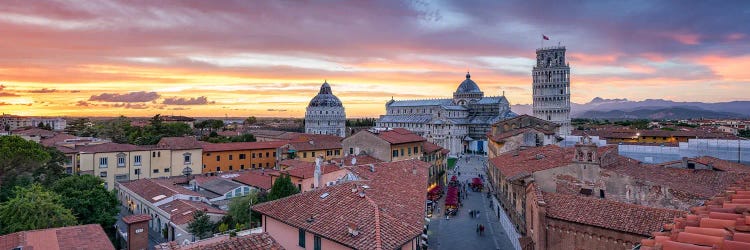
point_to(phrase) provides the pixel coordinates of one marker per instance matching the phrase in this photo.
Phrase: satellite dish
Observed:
(354, 161)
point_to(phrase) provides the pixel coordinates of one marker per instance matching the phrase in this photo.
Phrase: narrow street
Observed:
(459, 232)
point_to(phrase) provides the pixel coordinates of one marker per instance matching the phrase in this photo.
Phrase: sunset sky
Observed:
(268, 58)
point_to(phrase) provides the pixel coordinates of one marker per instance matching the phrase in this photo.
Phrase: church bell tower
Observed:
(551, 86)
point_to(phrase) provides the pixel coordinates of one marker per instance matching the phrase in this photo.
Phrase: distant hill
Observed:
(669, 113)
(611, 108)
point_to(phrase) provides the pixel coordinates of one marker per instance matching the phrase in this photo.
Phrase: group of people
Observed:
(480, 229)
(474, 213)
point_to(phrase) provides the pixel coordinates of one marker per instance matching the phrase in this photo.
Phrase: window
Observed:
(601, 193)
(402, 152)
(409, 149)
(246, 190)
(253, 165)
(304, 154)
(268, 154)
(230, 168)
(416, 149)
(186, 157)
(242, 156)
(218, 169)
(103, 174)
(316, 243)
(395, 153)
(351, 151)
(121, 160)
(218, 158)
(153, 154)
(313, 154)
(274, 154)
(166, 170)
(137, 160)
(337, 152)
(242, 166)
(691, 165)
(156, 171)
(230, 157)
(103, 162)
(121, 177)
(253, 155)
(137, 172)
(158, 154)
(329, 152)
(301, 237)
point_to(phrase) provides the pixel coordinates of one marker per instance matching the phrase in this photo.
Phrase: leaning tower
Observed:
(551, 87)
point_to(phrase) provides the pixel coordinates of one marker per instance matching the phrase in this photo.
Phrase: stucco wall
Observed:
(366, 143)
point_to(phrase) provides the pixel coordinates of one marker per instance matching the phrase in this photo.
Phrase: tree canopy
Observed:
(88, 199)
(201, 226)
(282, 187)
(34, 208)
(239, 209)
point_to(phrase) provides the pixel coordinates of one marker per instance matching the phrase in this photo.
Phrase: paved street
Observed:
(460, 232)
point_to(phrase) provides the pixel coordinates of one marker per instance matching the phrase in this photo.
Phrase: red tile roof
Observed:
(303, 170)
(723, 165)
(181, 211)
(398, 136)
(60, 137)
(255, 179)
(108, 147)
(151, 188)
(179, 143)
(89, 236)
(681, 180)
(232, 146)
(532, 160)
(720, 223)
(42, 133)
(389, 215)
(429, 147)
(607, 213)
(274, 134)
(294, 163)
(502, 136)
(261, 241)
(135, 218)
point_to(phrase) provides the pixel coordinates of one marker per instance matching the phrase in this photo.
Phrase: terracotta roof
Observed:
(720, 223)
(303, 170)
(108, 147)
(42, 133)
(361, 159)
(399, 136)
(179, 143)
(261, 241)
(723, 165)
(429, 147)
(607, 213)
(294, 163)
(60, 137)
(502, 136)
(181, 211)
(258, 180)
(317, 143)
(232, 146)
(130, 219)
(153, 190)
(532, 160)
(389, 215)
(275, 134)
(89, 236)
(677, 179)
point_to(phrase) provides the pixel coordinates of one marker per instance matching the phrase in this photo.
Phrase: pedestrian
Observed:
(477, 228)
(478, 214)
(481, 229)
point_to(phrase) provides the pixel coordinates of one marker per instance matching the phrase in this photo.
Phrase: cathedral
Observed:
(325, 114)
(459, 124)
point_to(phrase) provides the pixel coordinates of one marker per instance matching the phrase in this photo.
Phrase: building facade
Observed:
(521, 132)
(232, 156)
(551, 87)
(12, 122)
(459, 124)
(325, 114)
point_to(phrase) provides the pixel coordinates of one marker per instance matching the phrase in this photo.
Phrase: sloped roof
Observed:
(608, 214)
(260, 241)
(89, 236)
(179, 143)
(317, 143)
(388, 216)
(303, 170)
(429, 147)
(181, 211)
(109, 147)
(398, 136)
(723, 165)
(532, 160)
(232, 146)
(255, 179)
(361, 159)
(150, 189)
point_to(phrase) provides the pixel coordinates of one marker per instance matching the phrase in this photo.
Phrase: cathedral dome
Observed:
(325, 98)
(468, 86)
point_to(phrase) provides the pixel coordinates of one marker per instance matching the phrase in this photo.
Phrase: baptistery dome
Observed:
(325, 114)
(325, 98)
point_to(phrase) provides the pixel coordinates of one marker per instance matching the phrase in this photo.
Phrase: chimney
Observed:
(317, 173)
(413, 170)
(137, 229)
(684, 162)
(353, 229)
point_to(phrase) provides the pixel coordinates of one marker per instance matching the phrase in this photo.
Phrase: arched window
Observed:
(590, 157)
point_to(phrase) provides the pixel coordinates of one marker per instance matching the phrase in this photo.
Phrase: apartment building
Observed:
(222, 157)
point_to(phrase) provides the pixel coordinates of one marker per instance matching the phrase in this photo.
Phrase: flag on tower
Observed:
(545, 37)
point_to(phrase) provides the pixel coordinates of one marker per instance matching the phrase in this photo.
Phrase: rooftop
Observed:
(135, 218)
(179, 143)
(303, 170)
(89, 236)
(361, 159)
(307, 143)
(181, 211)
(531, 160)
(399, 136)
(262, 180)
(389, 214)
(219, 185)
(261, 241)
(607, 213)
(154, 190)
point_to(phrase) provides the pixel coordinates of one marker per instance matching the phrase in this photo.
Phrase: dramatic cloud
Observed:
(7, 94)
(82, 104)
(140, 96)
(186, 101)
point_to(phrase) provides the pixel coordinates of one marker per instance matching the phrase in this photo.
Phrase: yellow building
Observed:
(122, 162)
(307, 148)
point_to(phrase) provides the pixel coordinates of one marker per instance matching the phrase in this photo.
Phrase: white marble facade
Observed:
(325, 114)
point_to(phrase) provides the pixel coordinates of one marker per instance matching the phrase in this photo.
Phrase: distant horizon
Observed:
(270, 58)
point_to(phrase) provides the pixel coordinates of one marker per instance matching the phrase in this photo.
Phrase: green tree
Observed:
(20, 157)
(201, 225)
(90, 202)
(282, 187)
(251, 120)
(239, 208)
(243, 138)
(116, 130)
(40, 125)
(744, 133)
(223, 228)
(34, 208)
